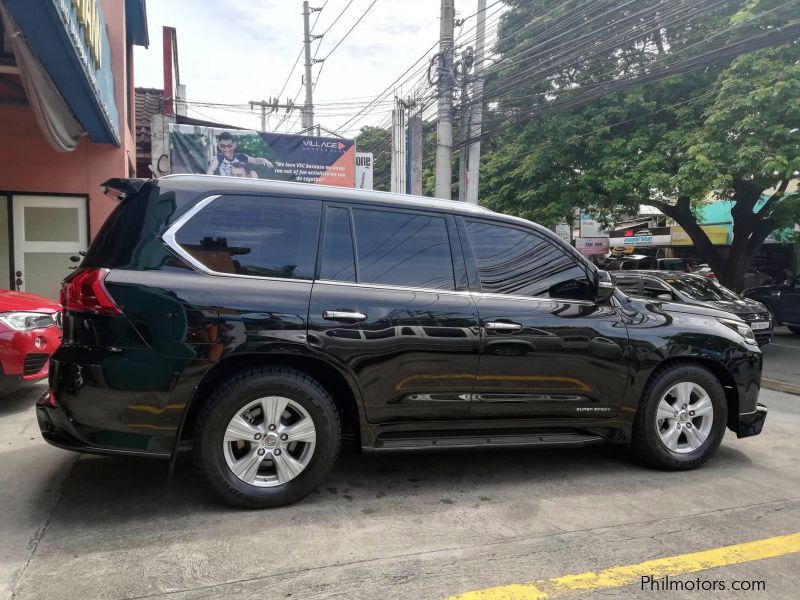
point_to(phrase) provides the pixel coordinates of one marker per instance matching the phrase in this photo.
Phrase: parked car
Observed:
(782, 300)
(704, 270)
(28, 336)
(691, 288)
(755, 278)
(261, 322)
(641, 263)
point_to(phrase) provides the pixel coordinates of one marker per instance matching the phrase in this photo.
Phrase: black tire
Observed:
(795, 329)
(646, 442)
(233, 395)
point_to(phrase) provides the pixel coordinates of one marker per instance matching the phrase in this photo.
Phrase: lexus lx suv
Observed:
(262, 322)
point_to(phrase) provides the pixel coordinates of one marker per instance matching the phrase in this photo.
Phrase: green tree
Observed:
(378, 141)
(728, 129)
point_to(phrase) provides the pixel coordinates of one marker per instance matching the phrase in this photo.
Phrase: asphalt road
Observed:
(389, 526)
(782, 361)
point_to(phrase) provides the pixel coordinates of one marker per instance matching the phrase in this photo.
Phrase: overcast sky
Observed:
(233, 52)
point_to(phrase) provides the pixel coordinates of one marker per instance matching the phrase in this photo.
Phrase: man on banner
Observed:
(222, 163)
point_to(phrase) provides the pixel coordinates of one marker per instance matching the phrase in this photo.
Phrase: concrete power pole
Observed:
(271, 106)
(398, 167)
(308, 109)
(415, 154)
(444, 127)
(476, 113)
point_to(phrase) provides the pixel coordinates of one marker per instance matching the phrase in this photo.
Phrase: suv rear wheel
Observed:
(681, 419)
(267, 437)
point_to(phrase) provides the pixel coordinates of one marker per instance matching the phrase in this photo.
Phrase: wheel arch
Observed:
(341, 388)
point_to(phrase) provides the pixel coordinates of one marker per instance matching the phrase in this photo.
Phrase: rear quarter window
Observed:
(255, 236)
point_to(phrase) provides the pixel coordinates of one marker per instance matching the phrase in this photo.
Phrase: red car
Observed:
(28, 336)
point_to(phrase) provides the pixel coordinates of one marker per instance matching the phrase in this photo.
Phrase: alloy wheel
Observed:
(269, 441)
(684, 417)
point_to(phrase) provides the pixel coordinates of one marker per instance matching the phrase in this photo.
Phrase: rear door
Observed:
(549, 350)
(391, 305)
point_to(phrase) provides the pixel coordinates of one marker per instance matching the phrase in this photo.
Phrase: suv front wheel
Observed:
(681, 419)
(267, 437)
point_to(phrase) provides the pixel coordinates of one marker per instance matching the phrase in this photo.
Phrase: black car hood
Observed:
(706, 309)
(738, 307)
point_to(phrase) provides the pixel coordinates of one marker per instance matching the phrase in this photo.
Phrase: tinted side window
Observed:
(338, 262)
(251, 235)
(405, 249)
(512, 261)
(654, 288)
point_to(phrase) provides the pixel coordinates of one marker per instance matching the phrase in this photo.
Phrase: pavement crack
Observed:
(33, 544)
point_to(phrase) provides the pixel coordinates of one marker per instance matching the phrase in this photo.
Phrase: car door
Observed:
(549, 350)
(391, 305)
(790, 301)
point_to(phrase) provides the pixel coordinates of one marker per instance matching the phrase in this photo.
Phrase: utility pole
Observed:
(271, 106)
(415, 154)
(473, 151)
(398, 166)
(444, 126)
(308, 109)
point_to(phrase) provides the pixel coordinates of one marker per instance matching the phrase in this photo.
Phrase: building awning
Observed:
(70, 41)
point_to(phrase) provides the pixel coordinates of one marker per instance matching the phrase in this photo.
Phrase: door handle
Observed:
(502, 326)
(343, 315)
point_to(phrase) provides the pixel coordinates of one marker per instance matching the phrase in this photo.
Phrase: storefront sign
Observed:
(89, 18)
(591, 228)
(564, 231)
(262, 155)
(641, 239)
(364, 170)
(591, 246)
(718, 234)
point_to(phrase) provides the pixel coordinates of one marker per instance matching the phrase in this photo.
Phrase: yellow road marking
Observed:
(626, 575)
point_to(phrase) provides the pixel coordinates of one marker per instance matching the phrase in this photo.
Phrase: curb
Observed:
(780, 386)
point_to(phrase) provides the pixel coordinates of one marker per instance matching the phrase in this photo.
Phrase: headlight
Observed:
(25, 321)
(743, 329)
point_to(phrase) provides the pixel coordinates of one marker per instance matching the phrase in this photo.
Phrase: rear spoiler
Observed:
(120, 188)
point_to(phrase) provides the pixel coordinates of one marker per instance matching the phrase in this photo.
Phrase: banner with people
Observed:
(262, 155)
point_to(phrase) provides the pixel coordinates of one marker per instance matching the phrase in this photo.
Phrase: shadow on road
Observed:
(20, 399)
(113, 490)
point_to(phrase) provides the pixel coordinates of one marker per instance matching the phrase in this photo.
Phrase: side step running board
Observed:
(503, 440)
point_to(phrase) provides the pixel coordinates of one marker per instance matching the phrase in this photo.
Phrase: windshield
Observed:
(700, 288)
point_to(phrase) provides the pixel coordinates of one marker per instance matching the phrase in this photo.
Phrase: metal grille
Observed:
(34, 363)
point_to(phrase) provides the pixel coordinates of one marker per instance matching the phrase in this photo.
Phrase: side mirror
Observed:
(605, 286)
(665, 296)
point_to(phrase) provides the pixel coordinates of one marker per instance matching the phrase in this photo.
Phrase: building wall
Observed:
(29, 164)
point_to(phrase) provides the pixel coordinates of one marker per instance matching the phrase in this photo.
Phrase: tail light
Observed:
(84, 291)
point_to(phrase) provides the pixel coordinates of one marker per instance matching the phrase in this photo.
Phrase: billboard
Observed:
(592, 246)
(717, 234)
(591, 228)
(262, 155)
(364, 170)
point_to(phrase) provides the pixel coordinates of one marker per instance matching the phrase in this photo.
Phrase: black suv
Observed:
(265, 321)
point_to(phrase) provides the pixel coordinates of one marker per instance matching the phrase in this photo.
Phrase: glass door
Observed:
(48, 230)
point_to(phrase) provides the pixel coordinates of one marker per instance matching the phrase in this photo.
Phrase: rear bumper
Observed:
(752, 423)
(59, 432)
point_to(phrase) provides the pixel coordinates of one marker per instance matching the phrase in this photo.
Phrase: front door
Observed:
(387, 308)
(549, 349)
(48, 230)
(790, 301)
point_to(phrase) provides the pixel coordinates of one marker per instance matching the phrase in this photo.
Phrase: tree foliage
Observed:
(729, 129)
